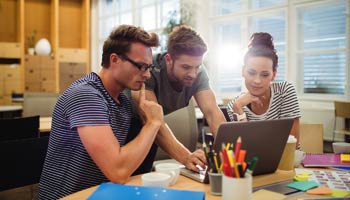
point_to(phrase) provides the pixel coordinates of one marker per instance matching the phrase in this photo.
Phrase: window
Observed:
(230, 19)
(225, 7)
(229, 56)
(256, 4)
(152, 15)
(321, 50)
(311, 39)
(148, 14)
(275, 24)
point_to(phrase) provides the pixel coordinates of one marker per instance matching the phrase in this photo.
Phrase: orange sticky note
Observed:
(320, 190)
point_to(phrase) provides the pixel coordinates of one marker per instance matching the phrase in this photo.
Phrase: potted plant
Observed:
(31, 42)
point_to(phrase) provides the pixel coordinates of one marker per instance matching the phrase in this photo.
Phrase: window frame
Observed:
(295, 53)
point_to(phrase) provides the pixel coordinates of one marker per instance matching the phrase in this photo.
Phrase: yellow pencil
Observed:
(216, 163)
(229, 155)
(221, 161)
(235, 166)
(228, 146)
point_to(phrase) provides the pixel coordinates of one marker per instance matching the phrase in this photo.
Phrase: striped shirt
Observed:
(68, 167)
(283, 104)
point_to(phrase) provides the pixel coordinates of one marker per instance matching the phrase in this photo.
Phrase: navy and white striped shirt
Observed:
(283, 104)
(68, 167)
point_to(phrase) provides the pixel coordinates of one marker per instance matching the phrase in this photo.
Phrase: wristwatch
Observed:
(238, 117)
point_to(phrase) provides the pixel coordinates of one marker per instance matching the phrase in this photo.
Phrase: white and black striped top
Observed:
(68, 167)
(283, 104)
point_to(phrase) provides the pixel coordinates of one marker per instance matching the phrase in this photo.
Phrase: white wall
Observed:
(321, 113)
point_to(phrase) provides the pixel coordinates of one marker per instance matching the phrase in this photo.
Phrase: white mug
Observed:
(156, 179)
(172, 169)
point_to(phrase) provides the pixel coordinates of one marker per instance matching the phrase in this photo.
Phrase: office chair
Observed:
(22, 161)
(341, 110)
(39, 103)
(311, 138)
(183, 123)
(19, 128)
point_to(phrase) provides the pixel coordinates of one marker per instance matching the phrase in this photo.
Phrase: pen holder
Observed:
(237, 188)
(215, 182)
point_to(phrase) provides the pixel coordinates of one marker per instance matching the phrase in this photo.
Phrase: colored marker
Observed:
(251, 165)
(241, 156)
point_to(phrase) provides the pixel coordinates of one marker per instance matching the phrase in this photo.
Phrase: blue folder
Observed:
(110, 191)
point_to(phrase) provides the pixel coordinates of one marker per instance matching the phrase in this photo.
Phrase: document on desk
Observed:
(266, 194)
(111, 191)
(338, 180)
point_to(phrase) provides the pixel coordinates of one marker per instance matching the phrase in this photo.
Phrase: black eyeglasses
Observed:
(142, 67)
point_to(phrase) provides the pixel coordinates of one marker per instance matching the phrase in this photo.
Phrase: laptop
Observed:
(265, 139)
(202, 176)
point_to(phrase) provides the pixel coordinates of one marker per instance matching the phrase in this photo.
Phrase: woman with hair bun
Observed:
(264, 99)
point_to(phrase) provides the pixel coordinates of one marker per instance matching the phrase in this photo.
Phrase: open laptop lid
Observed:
(265, 139)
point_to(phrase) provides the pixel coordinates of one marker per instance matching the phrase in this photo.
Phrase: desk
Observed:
(45, 124)
(189, 184)
(10, 111)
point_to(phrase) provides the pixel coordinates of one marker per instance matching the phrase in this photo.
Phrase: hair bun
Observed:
(261, 39)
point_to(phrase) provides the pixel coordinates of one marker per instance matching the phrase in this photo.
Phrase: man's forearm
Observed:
(168, 142)
(215, 120)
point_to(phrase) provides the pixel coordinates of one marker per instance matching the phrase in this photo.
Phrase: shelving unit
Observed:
(11, 47)
(73, 48)
(66, 25)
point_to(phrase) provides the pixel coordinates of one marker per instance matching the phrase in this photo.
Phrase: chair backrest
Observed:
(39, 103)
(183, 124)
(19, 128)
(342, 109)
(311, 138)
(22, 161)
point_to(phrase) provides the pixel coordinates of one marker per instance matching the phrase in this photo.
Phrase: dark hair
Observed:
(120, 40)
(261, 44)
(184, 40)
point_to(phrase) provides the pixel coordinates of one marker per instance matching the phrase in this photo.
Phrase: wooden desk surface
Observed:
(45, 124)
(185, 183)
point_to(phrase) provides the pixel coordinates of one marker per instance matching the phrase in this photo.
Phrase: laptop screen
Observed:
(264, 139)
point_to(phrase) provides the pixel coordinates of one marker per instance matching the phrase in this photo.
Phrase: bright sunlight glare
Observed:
(230, 57)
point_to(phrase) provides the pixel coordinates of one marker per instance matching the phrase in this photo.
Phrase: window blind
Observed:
(275, 25)
(263, 3)
(225, 7)
(322, 53)
(229, 55)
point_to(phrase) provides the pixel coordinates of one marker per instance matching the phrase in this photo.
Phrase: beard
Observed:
(178, 83)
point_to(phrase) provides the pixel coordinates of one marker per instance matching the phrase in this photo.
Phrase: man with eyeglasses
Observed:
(91, 119)
(178, 76)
